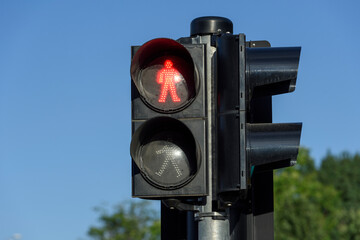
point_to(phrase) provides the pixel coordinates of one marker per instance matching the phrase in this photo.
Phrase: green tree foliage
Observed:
(342, 172)
(319, 203)
(304, 207)
(133, 221)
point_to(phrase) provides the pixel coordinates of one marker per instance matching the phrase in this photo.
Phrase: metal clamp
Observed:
(214, 215)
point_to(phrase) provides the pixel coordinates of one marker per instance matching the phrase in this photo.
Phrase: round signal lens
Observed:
(165, 152)
(164, 74)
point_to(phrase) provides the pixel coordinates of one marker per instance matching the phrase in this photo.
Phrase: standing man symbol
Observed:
(168, 76)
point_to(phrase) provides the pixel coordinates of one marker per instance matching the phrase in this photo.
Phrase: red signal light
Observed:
(164, 74)
(167, 77)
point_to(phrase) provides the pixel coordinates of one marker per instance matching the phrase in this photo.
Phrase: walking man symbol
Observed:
(170, 155)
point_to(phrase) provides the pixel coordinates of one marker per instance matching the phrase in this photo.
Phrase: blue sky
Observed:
(65, 95)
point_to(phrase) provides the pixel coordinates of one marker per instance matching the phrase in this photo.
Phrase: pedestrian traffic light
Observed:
(168, 145)
(202, 122)
(251, 72)
(206, 100)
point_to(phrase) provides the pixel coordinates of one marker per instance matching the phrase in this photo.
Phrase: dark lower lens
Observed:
(165, 163)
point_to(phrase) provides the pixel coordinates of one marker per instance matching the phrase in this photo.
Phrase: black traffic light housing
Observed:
(168, 145)
(249, 73)
(171, 108)
(203, 138)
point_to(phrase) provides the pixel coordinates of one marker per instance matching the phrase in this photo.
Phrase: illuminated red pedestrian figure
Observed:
(168, 76)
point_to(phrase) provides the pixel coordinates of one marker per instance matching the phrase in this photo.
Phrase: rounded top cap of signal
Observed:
(210, 25)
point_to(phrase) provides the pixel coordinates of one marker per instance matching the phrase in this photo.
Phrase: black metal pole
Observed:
(173, 224)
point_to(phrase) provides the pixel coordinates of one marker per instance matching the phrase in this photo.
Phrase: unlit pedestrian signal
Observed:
(171, 154)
